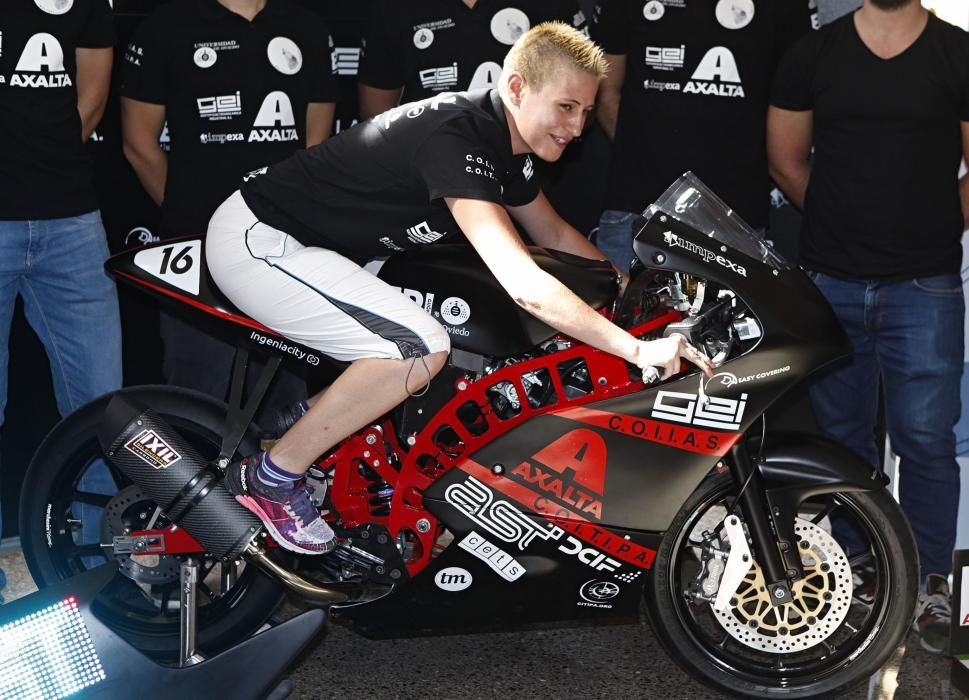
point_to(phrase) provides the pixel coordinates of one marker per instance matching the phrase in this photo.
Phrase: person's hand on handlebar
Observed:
(664, 355)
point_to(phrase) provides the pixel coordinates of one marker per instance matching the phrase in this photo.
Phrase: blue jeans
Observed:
(615, 237)
(910, 334)
(57, 267)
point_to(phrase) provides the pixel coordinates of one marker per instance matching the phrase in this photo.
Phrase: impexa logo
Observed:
(453, 579)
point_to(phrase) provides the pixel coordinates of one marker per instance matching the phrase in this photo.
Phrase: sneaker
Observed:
(934, 614)
(286, 511)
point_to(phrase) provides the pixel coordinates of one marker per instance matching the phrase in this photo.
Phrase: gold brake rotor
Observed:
(820, 600)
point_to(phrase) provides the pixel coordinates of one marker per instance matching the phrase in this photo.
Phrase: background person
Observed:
(881, 236)
(241, 84)
(687, 89)
(56, 68)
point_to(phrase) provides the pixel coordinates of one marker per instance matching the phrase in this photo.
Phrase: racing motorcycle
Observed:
(537, 480)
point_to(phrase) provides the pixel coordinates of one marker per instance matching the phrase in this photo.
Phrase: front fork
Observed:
(771, 527)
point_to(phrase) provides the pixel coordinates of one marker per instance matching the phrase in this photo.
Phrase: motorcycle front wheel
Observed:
(850, 612)
(141, 603)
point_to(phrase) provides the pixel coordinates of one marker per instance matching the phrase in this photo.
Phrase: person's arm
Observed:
(610, 94)
(489, 230)
(141, 125)
(319, 122)
(964, 181)
(93, 84)
(374, 101)
(789, 137)
(549, 230)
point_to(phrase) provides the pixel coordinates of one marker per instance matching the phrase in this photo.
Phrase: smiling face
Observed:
(544, 121)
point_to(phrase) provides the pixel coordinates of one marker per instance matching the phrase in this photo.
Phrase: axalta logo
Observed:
(275, 120)
(41, 64)
(150, 448)
(717, 74)
(485, 76)
(571, 470)
(674, 241)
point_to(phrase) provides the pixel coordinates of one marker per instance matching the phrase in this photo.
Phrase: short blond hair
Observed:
(540, 52)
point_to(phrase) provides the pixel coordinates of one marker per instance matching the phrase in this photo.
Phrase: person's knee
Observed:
(436, 361)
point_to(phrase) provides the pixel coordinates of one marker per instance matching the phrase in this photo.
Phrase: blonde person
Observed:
(283, 249)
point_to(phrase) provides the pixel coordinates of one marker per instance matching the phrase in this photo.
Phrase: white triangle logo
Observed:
(177, 264)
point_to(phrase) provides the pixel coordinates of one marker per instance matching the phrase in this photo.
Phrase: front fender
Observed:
(812, 465)
(795, 467)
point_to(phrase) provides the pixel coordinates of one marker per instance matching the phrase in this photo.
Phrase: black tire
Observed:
(52, 554)
(694, 636)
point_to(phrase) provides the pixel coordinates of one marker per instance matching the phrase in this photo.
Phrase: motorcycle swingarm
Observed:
(792, 468)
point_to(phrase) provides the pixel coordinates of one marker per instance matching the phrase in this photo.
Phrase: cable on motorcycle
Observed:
(763, 439)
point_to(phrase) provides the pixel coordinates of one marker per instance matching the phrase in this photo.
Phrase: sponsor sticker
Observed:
(453, 579)
(500, 561)
(423, 38)
(346, 60)
(665, 57)
(509, 24)
(735, 14)
(596, 594)
(654, 10)
(455, 311)
(707, 411)
(151, 449)
(284, 55)
(54, 7)
(707, 255)
(174, 264)
(205, 57)
(442, 78)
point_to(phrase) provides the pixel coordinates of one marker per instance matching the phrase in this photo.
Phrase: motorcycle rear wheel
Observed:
(146, 616)
(860, 645)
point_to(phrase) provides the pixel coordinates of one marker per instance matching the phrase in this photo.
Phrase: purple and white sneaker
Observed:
(286, 511)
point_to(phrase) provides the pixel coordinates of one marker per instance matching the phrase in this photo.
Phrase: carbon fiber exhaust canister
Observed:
(170, 471)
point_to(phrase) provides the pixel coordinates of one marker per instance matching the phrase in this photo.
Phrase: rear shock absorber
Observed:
(382, 491)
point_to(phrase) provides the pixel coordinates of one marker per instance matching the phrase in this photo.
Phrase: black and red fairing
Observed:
(176, 269)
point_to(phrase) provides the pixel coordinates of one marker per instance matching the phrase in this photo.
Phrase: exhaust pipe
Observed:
(190, 491)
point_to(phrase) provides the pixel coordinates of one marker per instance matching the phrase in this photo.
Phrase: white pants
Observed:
(312, 295)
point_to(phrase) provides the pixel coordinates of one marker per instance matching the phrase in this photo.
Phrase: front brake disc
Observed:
(820, 600)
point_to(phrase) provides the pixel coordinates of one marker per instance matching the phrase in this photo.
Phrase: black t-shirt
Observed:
(235, 94)
(380, 187)
(44, 170)
(431, 46)
(695, 94)
(883, 198)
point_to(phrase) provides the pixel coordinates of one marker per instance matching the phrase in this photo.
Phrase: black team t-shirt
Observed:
(380, 187)
(235, 94)
(44, 170)
(695, 94)
(432, 46)
(883, 198)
